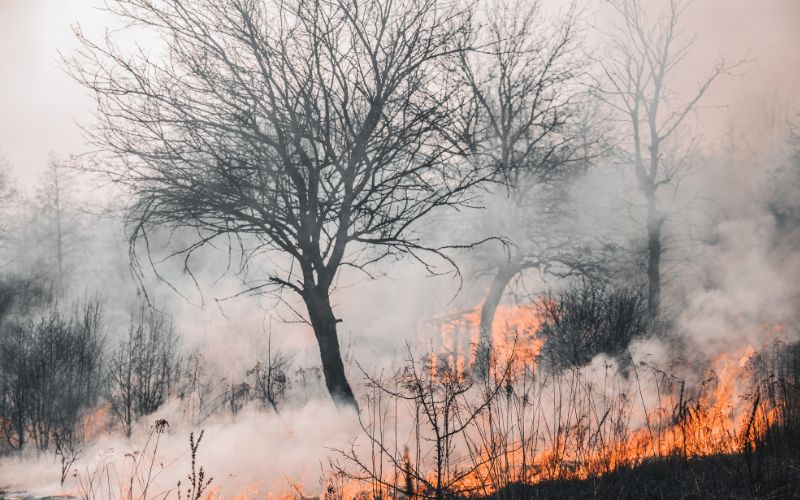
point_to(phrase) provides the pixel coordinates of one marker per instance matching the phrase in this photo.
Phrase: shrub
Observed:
(589, 318)
(145, 368)
(50, 373)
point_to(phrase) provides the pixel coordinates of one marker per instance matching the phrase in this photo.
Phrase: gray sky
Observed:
(39, 103)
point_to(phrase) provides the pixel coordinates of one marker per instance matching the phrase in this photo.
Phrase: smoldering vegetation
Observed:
(410, 249)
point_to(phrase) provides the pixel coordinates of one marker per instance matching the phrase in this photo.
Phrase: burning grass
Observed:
(433, 431)
(619, 426)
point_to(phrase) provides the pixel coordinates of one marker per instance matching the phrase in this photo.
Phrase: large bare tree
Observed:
(640, 69)
(315, 130)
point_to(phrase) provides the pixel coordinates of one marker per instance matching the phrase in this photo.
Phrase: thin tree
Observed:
(784, 197)
(315, 131)
(644, 54)
(53, 201)
(8, 198)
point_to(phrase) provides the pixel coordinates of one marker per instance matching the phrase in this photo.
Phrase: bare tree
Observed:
(640, 68)
(8, 193)
(315, 131)
(525, 76)
(52, 199)
(18, 297)
(68, 449)
(198, 388)
(784, 197)
(144, 369)
(16, 398)
(48, 227)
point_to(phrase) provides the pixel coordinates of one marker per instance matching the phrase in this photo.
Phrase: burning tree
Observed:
(525, 77)
(320, 132)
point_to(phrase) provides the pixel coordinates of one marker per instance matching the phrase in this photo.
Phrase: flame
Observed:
(95, 422)
(456, 336)
(718, 415)
(576, 424)
(580, 423)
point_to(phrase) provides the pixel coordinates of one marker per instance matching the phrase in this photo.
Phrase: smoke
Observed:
(737, 282)
(257, 452)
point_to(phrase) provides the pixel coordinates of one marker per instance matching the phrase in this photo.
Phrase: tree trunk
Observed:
(655, 222)
(324, 323)
(483, 353)
(20, 423)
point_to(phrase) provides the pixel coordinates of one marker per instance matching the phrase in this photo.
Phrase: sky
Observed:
(41, 107)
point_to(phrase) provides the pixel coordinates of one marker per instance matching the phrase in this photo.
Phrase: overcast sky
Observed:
(39, 103)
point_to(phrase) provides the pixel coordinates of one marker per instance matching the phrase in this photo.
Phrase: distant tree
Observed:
(23, 295)
(53, 201)
(8, 195)
(271, 377)
(784, 198)
(319, 132)
(144, 369)
(639, 67)
(48, 227)
(531, 127)
(198, 388)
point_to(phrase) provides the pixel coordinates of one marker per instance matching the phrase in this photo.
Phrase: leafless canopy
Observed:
(305, 124)
(318, 129)
(525, 77)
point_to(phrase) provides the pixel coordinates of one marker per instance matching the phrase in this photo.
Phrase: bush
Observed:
(49, 375)
(588, 318)
(145, 368)
(270, 380)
